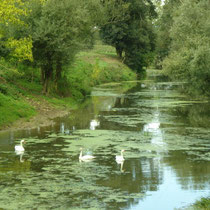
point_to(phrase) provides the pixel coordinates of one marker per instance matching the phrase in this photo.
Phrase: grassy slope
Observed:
(21, 99)
(202, 204)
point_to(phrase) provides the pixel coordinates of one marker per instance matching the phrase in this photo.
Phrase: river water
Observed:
(165, 135)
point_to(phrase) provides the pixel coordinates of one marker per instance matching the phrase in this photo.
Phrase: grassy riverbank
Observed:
(21, 95)
(202, 204)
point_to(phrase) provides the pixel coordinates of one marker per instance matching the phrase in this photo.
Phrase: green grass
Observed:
(106, 66)
(203, 204)
(12, 110)
(62, 102)
(93, 67)
(90, 68)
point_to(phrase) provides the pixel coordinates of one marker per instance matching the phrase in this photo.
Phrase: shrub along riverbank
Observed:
(202, 204)
(21, 89)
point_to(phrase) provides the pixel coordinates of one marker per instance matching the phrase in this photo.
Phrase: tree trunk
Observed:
(58, 73)
(47, 73)
(42, 75)
(119, 51)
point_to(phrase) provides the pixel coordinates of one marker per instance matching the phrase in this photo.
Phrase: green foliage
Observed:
(189, 58)
(78, 80)
(10, 11)
(22, 80)
(4, 51)
(56, 31)
(132, 35)
(9, 90)
(11, 16)
(59, 29)
(12, 105)
(163, 27)
(92, 67)
(3, 89)
(8, 71)
(21, 48)
(202, 204)
(107, 73)
(29, 72)
(82, 76)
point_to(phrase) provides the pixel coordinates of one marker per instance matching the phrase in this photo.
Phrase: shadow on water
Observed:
(165, 136)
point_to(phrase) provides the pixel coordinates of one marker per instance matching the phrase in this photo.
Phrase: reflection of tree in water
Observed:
(136, 88)
(196, 115)
(139, 176)
(122, 102)
(93, 110)
(93, 107)
(192, 174)
(81, 118)
(14, 163)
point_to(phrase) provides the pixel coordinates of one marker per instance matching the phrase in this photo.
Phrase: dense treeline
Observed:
(183, 46)
(47, 34)
(133, 35)
(56, 31)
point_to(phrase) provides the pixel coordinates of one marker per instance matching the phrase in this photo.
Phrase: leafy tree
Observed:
(58, 30)
(10, 14)
(132, 34)
(189, 57)
(10, 11)
(163, 28)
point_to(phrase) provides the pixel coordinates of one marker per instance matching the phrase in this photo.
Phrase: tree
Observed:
(189, 56)
(132, 35)
(163, 28)
(10, 11)
(10, 14)
(58, 30)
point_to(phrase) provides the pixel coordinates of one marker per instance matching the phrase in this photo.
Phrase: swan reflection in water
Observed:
(121, 165)
(93, 124)
(20, 153)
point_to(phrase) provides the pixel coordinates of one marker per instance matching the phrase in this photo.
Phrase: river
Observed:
(165, 135)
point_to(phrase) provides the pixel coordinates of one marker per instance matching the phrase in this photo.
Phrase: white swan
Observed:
(85, 157)
(120, 158)
(20, 148)
(20, 153)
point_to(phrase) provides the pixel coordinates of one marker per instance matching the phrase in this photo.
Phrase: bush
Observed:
(189, 57)
(204, 204)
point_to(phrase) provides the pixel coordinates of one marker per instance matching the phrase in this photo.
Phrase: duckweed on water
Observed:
(136, 143)
(71, 183)
(147, 124)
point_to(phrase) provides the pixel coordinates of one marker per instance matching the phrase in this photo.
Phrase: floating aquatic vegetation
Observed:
(72, 182)
(31, 141)
(104, 93)
(61, 135)
(159, 129)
